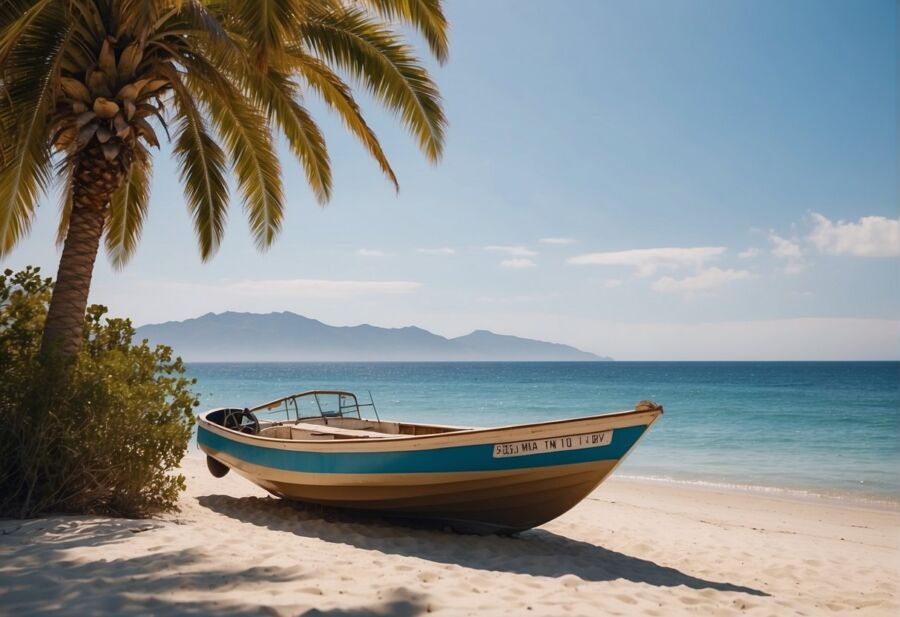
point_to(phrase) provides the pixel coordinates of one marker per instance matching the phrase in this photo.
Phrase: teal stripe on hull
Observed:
(437, 460)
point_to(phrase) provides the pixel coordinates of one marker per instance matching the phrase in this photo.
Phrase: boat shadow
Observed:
(537, 552)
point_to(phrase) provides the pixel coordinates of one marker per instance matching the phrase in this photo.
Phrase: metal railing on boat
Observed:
(347, 402)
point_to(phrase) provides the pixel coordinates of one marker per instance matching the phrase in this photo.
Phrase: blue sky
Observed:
(647, 180)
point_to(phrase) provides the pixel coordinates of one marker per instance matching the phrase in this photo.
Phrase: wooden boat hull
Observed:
(464, 479)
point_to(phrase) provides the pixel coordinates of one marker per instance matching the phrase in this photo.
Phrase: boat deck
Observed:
(348, 428)
(306, 430)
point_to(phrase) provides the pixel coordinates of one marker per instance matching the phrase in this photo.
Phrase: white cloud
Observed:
(871, 236)
(707, 280)
(611, 283)
(789, 252)
(794, 267)
(437, 251)
(784, 248)
(514, 251)
(647, 261)
(749, 253)
(517, 263)
(370, 253)
(557, 240)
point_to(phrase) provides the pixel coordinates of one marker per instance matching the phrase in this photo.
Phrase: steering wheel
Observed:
(241, 420)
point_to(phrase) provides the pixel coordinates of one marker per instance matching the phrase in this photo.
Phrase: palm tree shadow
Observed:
(39, 576)
(536, 552)
(391, 608)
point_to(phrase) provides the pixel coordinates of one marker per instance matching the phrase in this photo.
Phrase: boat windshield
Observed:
(315, 404)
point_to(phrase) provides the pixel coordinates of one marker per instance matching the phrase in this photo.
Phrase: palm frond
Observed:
(203, 167)
(276, 93)
(367, 49)
(139, 17)
(17, 17)
(13, 10)
(247, 137)
(265, 24)
(338, 96)
(427, 16)
(25, 104)
(127, 211)
(198, 26)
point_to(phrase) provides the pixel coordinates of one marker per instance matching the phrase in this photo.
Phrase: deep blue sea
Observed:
(820, 428)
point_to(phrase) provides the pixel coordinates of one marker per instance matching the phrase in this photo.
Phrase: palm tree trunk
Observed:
(95, 181)
(65, 320)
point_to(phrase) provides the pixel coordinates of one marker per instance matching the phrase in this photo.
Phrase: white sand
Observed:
(632, 548)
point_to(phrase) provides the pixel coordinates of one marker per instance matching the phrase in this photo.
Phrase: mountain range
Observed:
(287, 337)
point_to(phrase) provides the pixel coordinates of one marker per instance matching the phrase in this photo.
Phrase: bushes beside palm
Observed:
(107, 439)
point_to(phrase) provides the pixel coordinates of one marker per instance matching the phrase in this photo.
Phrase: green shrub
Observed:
(103, 435)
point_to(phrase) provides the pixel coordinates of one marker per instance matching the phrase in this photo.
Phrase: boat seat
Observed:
(339, 433)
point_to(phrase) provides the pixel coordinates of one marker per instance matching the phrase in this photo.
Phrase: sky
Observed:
(684, 180)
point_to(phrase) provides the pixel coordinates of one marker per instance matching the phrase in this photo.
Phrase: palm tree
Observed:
(86, 86)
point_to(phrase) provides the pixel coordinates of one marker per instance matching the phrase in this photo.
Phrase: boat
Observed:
(317, 447)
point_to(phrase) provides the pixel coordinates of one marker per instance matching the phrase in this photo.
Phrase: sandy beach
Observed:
(632, 548)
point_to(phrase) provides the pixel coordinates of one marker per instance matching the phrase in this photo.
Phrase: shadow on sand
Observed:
(39, 577)
(536, 552)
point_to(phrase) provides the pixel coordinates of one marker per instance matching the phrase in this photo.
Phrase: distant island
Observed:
(286, 337)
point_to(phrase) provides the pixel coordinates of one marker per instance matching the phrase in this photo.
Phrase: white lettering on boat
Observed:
(553, 444)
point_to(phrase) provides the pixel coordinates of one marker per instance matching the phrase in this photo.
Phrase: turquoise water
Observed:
(825, 428)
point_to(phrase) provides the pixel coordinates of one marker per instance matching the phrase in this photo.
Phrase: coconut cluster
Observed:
(109, 101)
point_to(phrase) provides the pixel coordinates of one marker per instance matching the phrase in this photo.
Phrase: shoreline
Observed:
(632, 547)
(838, 499)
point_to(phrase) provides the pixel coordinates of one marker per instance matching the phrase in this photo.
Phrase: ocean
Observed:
(827, 429)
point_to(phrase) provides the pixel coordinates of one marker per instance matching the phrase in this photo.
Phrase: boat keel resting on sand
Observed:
(484, 480)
